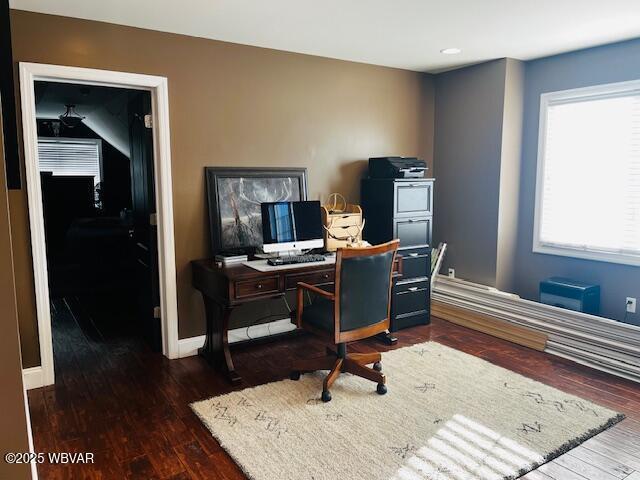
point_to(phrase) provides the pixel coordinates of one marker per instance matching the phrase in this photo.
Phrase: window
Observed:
(588, 184)
(71, 156)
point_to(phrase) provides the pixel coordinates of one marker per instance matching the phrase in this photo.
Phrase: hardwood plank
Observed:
(617, 439)
(487, 324)
(536, 475)
(559, 472)
(583, 468)
(603, 462)
(140, 467)
(612, 452)
(198, 464)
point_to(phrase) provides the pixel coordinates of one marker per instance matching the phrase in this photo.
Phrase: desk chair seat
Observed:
(358, 308)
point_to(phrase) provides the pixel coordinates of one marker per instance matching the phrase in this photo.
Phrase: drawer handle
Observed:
(326, 275)
(413, 289)
(414, 254)
(259, 286)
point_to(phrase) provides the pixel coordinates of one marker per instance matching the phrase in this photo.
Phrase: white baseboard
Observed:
(32, 377)
(598, 342)
(188, 347)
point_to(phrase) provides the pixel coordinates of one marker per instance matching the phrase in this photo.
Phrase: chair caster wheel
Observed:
(377, 367)
(295, 375)
(326, 396)
(382, 389)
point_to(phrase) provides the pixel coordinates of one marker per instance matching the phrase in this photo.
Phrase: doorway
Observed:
(99, 186)
(95, 154)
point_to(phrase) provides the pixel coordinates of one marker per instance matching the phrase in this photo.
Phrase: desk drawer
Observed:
(412, 198)
(410, 320)
(412, 231)
(322, 277)
(411, 297)
(416, 262)
(255, 288)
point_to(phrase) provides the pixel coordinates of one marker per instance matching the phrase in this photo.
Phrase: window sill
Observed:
(619, 258)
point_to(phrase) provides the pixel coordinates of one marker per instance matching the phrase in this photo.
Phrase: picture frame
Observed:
(234, 195)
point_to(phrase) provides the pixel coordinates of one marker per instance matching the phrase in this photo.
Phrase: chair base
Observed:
(340, 361)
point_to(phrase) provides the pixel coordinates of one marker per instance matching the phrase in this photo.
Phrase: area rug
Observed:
(447, 416)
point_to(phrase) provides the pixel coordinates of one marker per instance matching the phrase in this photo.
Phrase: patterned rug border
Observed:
(564, 448)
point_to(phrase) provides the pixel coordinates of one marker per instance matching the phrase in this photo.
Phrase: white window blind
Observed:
(73, 157)
(588, 192)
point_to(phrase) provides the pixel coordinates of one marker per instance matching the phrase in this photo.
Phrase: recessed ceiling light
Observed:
(450, 51)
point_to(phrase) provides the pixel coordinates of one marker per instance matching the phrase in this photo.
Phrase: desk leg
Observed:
(216, 346)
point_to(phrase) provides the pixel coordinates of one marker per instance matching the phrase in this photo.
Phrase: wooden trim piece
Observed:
(598, 342)
(490, 325)
(316, 290)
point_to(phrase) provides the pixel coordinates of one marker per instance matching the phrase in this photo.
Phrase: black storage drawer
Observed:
(412, 199)
(413, 231)
(410, 297)
(403, 209)
(410, 320)
(416, 262)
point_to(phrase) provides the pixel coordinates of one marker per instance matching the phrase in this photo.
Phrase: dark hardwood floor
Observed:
(130, 406)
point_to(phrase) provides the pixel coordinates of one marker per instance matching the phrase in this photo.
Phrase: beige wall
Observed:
(234, 105)
(13, 420)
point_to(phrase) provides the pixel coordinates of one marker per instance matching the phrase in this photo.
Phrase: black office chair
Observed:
(358, 308)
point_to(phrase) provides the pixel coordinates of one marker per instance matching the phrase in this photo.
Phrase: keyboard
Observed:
(295, 259)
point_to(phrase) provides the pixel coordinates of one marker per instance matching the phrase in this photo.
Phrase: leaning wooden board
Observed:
(489, 325)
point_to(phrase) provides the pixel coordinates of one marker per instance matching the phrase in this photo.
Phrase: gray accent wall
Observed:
(467, 148)
(607, 64)
(478, 127)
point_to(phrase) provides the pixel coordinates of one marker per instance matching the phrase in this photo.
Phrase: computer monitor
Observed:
(291, 226)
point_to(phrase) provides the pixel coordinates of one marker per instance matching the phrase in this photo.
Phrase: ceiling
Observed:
(406, 34)
(104, 108)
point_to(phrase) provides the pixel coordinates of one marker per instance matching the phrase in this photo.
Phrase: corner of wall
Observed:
(427, 120)
(510, 161)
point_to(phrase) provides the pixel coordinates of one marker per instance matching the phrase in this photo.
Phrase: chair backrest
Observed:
(363, 290)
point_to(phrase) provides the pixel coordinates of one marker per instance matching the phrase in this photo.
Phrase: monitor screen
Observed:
(291, 222)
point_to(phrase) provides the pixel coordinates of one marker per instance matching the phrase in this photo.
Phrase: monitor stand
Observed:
(285, 253)
(290, 253)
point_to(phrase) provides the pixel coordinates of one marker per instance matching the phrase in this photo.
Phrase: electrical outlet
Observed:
(631, 305)
(452, 272)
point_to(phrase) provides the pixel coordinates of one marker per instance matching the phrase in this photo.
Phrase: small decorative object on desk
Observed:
(343, 223)
(224, 259)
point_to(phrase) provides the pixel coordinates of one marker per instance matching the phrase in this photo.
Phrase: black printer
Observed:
(396, 167)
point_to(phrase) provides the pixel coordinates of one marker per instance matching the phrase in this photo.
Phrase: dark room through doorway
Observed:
(95, 156)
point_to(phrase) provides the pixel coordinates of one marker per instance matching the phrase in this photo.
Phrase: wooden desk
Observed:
(225, 288)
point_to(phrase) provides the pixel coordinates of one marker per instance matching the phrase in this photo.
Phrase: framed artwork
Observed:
(234, 196)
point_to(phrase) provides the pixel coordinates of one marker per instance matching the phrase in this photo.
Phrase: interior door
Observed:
(144, 232)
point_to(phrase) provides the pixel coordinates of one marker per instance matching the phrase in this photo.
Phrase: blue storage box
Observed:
(570, 294)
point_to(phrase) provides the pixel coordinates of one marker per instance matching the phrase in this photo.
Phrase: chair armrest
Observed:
(300, 297)
(317, 290)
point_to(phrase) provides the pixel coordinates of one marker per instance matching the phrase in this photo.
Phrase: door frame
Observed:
(158, 87)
